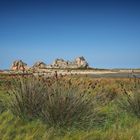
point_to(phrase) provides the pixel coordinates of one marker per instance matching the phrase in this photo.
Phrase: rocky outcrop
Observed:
(81, 62)
(19, 65)
(60, 63)
(39, 65)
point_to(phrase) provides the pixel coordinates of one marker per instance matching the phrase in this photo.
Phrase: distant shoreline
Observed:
(97, 73)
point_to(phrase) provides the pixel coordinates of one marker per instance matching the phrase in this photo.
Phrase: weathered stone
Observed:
(60, 63)
(81, 62)
(39, 65)
(19, 65)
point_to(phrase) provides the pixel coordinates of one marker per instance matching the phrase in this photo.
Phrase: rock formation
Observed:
(39, 65)
(19, 65)
(60, 63)
(81, 62)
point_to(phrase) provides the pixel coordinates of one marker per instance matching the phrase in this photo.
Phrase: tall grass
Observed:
(2, 107)
(59, 104)
(27, 97)
(66, 97)
(2, 102)
(130, 101)
(66, 106)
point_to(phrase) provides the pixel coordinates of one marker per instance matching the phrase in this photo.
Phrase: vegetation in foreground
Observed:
(69, 108)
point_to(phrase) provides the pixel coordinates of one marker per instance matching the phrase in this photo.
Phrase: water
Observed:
(116, 75)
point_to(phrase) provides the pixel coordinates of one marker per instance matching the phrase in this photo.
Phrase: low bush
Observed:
(130, 101)
(66, 106)
(2, 106)
(27, 97)
(59, 105)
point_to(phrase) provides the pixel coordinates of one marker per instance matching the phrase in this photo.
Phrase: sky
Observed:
(105, 32)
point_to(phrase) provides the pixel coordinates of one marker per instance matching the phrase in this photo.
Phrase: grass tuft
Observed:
(27, 98)
(60, 104)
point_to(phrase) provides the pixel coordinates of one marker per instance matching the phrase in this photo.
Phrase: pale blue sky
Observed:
(106, 33)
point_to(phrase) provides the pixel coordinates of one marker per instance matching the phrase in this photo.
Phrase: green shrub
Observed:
(131, 102)
(67, 107)
(27, 97)
(59, 104)
(2, 106)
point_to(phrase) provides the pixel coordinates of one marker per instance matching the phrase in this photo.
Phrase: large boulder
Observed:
(39, 65)
(19, 65)
(60, 63)
(81, 62)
